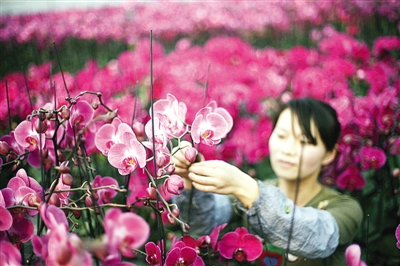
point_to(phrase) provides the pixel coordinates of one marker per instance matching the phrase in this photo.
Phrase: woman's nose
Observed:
(289, 146)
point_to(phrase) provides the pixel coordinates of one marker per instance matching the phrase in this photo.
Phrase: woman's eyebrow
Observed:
(284, 130)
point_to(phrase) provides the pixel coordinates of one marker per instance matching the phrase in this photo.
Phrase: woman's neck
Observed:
(308, 189)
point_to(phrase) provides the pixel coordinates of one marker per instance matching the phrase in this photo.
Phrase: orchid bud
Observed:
(41, 116)
(88, 201)
(161, 161)
(171, 219)
(77, 213)
(65, 113)
(151, 193)
(174, 184)
(64, 169)
(170, 169)
(187, 227)
(203, 241)
(10, 157)
(160, 172)
(396, 172)
(40, 126)
(191, 154)
(35, 200)
(4, 148)
(67, 179)
(54, 200)
(176, 212)
(61, 156)
(95, 105)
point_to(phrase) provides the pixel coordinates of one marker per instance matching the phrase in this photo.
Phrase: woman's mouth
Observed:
(286, 164)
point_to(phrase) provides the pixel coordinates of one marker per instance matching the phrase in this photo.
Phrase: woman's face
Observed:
(286, 149)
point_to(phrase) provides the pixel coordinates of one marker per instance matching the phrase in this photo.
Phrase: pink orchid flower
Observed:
(351, 179)
(118, 227)
(18, 193)
(9, 254)
(398, 236)
(12, 143)
(172, 114)
(6, 218)
(353, 255)
(115, 260)
(27, 137)
(53, 216)
(211, 239)
(240, 245)
(69, 249)
(106, 194)
(209, 127)
(81, 114)
(174, 184)
(372, 157)
(223, 112)
(153, 254)
(29, 181)
(110, 134)
(127, 155)
(81, 118)
(62, 196)
(181, 254)
(21, 231)
(160, 135)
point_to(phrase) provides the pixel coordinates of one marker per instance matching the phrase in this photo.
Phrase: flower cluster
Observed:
(132, 21)
(51, 139)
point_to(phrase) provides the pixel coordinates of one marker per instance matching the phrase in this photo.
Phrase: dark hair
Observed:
(324, 116)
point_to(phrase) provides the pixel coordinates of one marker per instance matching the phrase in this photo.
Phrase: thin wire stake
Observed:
(128, 178)
(135, 95)
(206, 87)
(191, 195)
(8, 107)
(298, 179)
(62, 73)
(159, 221)
(366, 244)
(27, 91)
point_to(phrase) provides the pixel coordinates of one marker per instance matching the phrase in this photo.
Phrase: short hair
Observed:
(322, 114)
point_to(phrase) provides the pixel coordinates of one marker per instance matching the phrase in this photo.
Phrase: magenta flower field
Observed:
(86, 175)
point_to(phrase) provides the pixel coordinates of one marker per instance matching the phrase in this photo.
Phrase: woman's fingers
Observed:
(208, 168)
(204, 188)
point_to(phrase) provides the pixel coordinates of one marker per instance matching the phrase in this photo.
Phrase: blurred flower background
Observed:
(247, 56)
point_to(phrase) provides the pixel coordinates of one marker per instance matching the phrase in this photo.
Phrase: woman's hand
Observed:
(223, 178)
(181, 163)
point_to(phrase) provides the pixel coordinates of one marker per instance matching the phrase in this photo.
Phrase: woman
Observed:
(321, 223)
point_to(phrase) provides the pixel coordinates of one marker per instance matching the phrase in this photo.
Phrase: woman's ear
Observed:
(329, 156)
